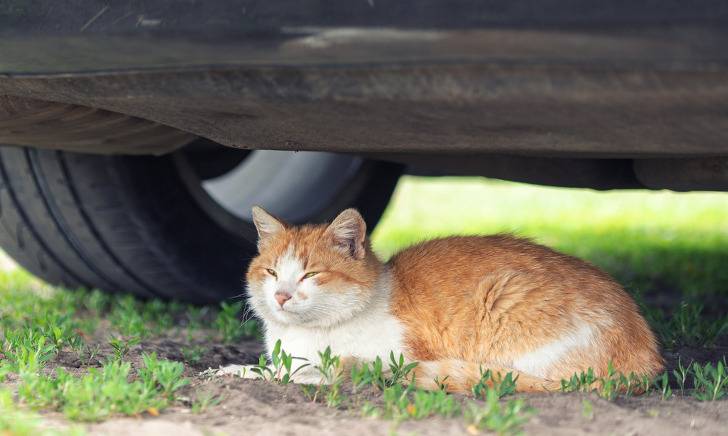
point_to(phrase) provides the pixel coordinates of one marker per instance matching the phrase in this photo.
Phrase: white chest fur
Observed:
(366, 336)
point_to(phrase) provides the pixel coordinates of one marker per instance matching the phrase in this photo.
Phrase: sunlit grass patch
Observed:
(647, 240)
(38, 323)
(105, 391)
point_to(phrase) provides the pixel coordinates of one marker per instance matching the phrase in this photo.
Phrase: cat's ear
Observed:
(348, 231)
(267, 225)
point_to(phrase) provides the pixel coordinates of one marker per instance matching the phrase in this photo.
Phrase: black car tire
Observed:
(131, 224)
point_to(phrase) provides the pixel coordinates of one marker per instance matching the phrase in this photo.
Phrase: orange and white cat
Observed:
(455, 305)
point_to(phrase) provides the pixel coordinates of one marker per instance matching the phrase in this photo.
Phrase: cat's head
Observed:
(311, 275)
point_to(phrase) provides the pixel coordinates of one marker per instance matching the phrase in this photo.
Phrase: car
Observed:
(137, 135)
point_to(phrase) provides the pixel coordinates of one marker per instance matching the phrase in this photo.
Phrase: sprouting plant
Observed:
(662, 383)
(193, 354)
(365, 374)
(710, 382)
(60, 332)
(407, 402)
(399, 370)
(229, 325)
(609, 386)
(502, 419)
(632, 383)
(165, 375)
(331, 378)
(581, 382)
(481, 387)
(441, 384)
(122, 347)
(681, 375)
(502, 385)
(687, 326)
(428, 403)
(204, 401)
(228, 322)
(374, 374)
(87, 354)
(27, 350)
(14, 420)
(281, 367)
(126, 317)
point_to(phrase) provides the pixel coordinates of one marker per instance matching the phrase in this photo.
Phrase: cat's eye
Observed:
(309, 275)
(271, 272)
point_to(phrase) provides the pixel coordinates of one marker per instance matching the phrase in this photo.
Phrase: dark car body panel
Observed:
(560, 79)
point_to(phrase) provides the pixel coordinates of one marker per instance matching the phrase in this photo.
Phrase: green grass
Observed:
(654, 243)
(709, 382)
(38, 322)
(646, 239)
(401, 403)
(105, 391)
(498, 417)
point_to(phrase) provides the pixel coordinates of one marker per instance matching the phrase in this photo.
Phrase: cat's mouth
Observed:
(286, 309)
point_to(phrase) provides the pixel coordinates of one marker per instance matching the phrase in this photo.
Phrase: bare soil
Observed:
(257, 407)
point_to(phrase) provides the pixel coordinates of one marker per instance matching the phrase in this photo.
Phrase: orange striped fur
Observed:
(455, 304)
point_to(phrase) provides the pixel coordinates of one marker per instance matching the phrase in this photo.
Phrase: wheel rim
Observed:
(292, 185)
(297, 186)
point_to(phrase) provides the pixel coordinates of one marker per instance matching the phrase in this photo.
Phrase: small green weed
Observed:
(374, 374)
(229, 325)
(503, 419)
(502, 385)
(710, 382)
(281, 368)
(27, 350)
(681, 375)
(608, 387)
(105, 391)
(163, 375)
(126, 317)
(193, 353)
(687, 326)
(582, 382)
(122, 346)
(331, 379)
(204, 401)
(662, 383)
(407, 402)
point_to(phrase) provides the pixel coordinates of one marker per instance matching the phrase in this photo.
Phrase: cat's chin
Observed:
(304, 319)
(297, 316)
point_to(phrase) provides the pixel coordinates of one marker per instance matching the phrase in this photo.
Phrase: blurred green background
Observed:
(661, 243)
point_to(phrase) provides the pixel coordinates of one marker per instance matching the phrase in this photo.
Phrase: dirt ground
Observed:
(258, 407)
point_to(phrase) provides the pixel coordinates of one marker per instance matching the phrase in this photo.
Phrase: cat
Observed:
(456, 305)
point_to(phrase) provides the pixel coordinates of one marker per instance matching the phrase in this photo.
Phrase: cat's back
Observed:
(457, 264)
(481, 254)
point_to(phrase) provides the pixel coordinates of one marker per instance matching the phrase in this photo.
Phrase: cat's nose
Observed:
(281, 297)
